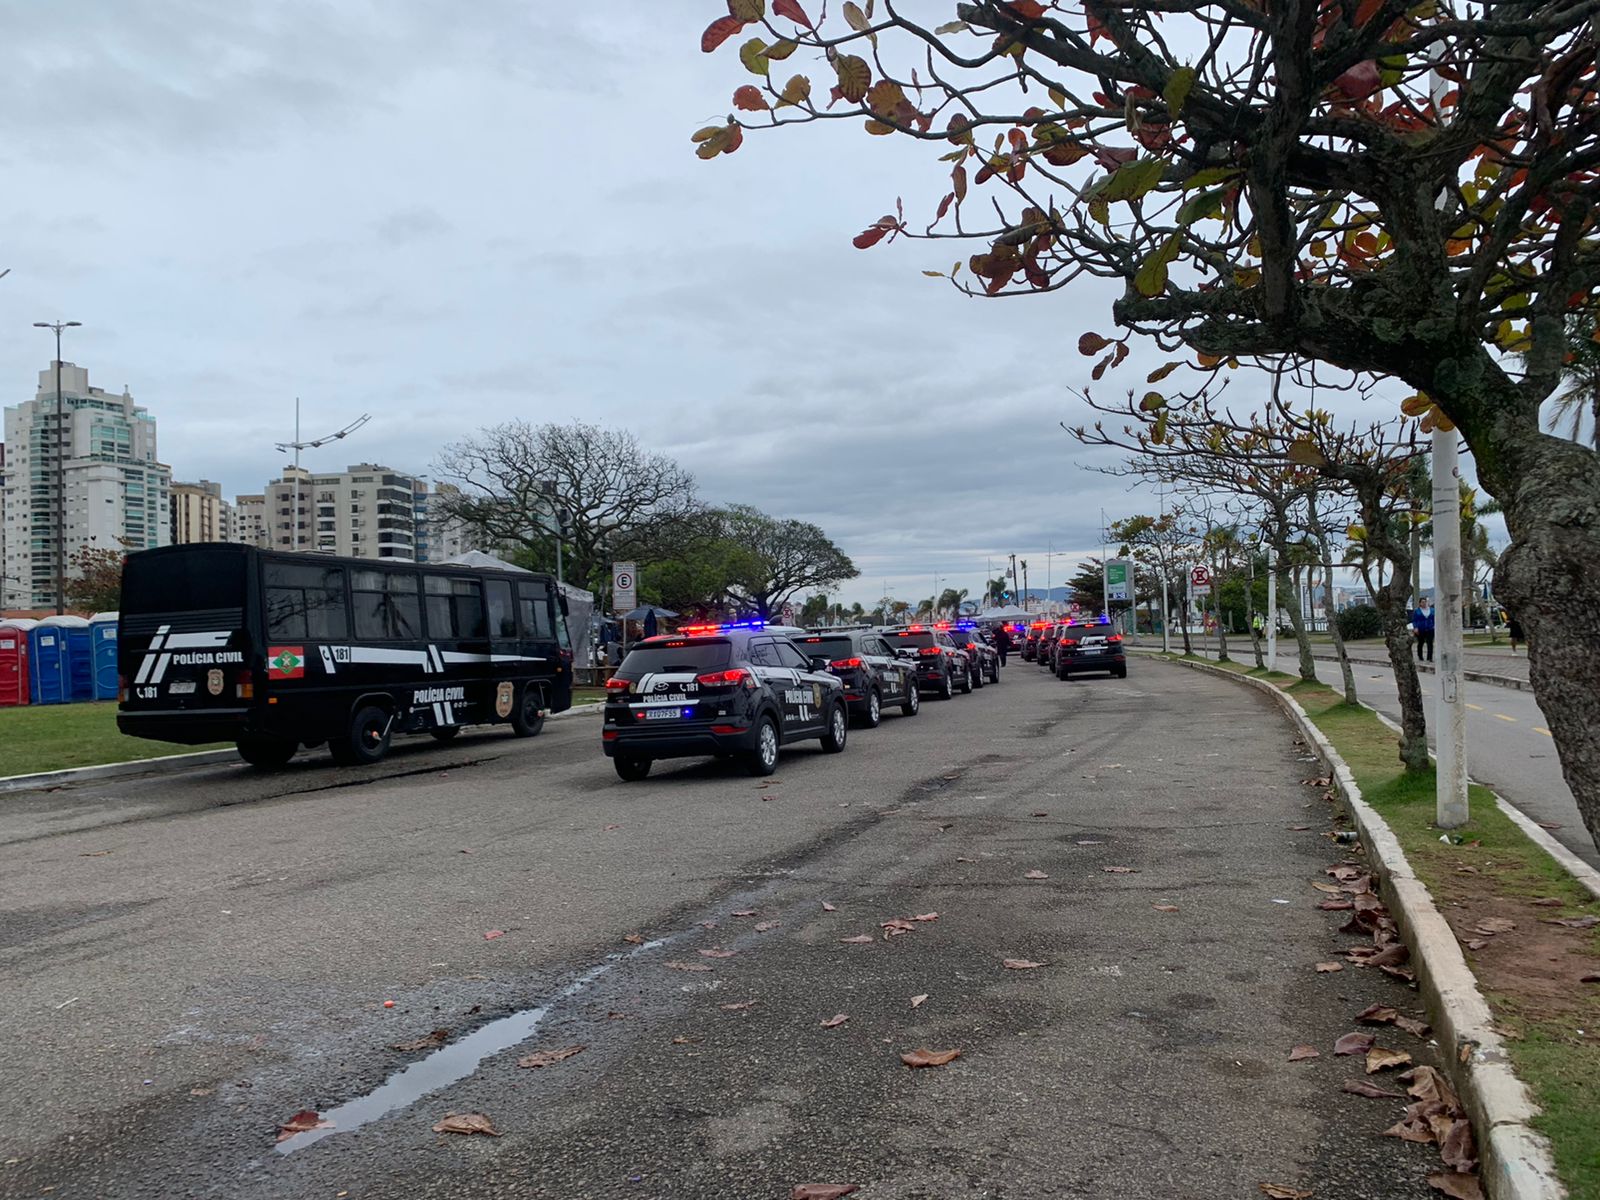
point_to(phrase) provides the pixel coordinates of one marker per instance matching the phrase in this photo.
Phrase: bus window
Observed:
(533, 607)
(502, 617)
(455, 608)
(305, 602)
(386, 606)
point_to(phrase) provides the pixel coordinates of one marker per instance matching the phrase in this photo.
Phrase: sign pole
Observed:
(1272, 613)
(1451, 799)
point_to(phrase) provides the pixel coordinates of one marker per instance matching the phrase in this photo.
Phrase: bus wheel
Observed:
(445, 733)
(528, 719)
(267, 754)
(367, 740)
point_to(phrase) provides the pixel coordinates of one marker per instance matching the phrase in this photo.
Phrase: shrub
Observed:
(1359, 621)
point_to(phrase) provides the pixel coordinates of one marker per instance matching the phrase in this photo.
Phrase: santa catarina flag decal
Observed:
(286, 662)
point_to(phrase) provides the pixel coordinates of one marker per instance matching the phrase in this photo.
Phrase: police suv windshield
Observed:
(676, 657)
(829, 647)
(911, 637)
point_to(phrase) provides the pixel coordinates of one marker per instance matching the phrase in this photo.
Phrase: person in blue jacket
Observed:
(1422, 625)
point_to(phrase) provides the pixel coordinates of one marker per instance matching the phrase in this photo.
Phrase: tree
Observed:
(1088, 585)
(614, 499)
(950, 600)
(1580, 398)
(1282, 185)
(815, 610)
(1169, 545)
(94, 579)
(787, 557)
(696, 579)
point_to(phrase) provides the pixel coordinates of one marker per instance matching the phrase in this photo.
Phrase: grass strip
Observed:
(1487, 868)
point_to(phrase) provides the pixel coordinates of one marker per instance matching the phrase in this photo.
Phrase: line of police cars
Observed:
(742, 691)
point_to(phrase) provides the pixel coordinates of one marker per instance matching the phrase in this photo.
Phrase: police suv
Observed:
(872, 674)
(942, 667)
(737, 691)
(1090, 645)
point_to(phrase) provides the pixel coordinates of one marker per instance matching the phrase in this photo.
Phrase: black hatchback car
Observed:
(872, 674)
(730, 691)
(1092, 645)
(942, 667)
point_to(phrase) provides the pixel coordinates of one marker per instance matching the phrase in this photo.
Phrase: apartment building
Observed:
(200, 514)
(365, 511)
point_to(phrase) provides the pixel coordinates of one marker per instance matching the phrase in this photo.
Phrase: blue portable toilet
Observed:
(76, 655)
(48, 672)
(103, 637)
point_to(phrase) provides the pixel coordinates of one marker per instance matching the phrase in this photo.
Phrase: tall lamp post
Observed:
(61, 470)
(297, 445)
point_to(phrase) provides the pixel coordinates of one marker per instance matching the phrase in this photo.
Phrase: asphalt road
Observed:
(187, 962)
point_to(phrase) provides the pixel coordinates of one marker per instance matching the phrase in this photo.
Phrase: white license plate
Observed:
(181, 689)
(1091, 650)
(662, 714)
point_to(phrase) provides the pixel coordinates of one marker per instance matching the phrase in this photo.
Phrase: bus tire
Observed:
(527, 720)
(445, 733)
(631, 770)
(267, 753)
(367, 739)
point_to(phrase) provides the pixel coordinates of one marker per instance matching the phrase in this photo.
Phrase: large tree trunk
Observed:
(1183, 607)
(1346, 675)
(1216, 609)
(1549, 579)
(1289, 599)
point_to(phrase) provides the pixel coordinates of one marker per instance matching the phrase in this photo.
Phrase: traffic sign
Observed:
(1119, 580)
(1200, 576)
(624, 587)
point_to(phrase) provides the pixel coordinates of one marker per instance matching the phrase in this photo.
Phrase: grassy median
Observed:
(1485, 874)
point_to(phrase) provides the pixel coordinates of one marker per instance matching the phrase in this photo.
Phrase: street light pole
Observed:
(297, 445)
(61, 470)
(1451, 798)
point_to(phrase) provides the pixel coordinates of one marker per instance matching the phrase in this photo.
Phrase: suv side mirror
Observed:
(819, 662)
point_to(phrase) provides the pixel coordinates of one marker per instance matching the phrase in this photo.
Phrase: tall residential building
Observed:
(200, 514)
(115, 491)
(250, 520)
(439, 536)
(367, 511)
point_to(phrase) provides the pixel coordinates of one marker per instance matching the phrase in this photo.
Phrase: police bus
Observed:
(274, 651)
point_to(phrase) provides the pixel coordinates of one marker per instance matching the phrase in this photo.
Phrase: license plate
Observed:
(662, 714)
(181, 689)
(1091, 650)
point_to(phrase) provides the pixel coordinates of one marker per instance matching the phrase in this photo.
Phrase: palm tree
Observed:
(1581, 398)
(950, 600)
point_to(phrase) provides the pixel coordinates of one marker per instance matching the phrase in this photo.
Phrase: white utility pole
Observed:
(1451, 804)
(297, 445)
(1272, 612)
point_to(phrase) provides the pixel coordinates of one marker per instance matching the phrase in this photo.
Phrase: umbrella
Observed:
(646, 611)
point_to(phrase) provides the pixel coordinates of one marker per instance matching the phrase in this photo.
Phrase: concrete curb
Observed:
(1505, 681)
(1516, 1159)
(171, 762)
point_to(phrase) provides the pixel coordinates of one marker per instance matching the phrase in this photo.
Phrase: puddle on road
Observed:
(452, 1063)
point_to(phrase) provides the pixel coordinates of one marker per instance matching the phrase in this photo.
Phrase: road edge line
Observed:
(171, 762)
(1516, 1160)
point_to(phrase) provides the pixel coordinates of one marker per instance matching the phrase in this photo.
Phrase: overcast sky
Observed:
(449, 215)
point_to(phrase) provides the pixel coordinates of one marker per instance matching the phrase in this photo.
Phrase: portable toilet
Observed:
(71, 677)
(103, 638)
(14, 661)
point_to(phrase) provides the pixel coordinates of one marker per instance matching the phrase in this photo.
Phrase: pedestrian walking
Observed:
(1422, 626)
(1002, 642)
(1514, 630)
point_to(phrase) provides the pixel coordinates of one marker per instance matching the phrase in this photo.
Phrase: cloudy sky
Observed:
(449, 215)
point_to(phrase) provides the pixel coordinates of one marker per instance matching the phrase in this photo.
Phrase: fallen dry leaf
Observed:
(1301, 1053)
(1362, 1087)
(1327, 968)
(1119, 870)
(1456, 1147)
(1414, 1027)
(1280, 1191)
(826, 907)
(437, 1038)
(738, 1005)
(1459, 1187)
(1426, 1084)
(1021, 964)
(1548, 902)
(680, 1040)
(1475, 943)
(1591, 977)
(717, 953)
(708, 924)
(1377, 1014)
(1166, 908)
(926, 917)
(686, 966)
(822, 1191)
(467, 1123)
(494, 933)
(1331, 888)
(545, 1058)
(745, 912)
(896, 927)
(918, 1001)
(201, 1091)
(633, 939)
(1588, 922)
(1492, 925)
(929, 1058)
(860, 939)
(1036, 874)
(1354, 1043)
(1089, 842)
(303, 1121)
(1381, 1059)
(1336, 905)
(764, 926)
(836, 1020)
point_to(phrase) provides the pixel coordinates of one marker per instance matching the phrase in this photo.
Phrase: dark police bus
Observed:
(273, 651)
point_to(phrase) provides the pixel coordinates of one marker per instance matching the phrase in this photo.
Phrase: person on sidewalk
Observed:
(1514, 631)
(1422, 624)
(1002, 642)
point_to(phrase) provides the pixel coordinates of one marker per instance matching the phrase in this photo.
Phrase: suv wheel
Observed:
(946, 687)
(975, 676)
(631, 769)
(763, 760)
(838, 730)
(874, 714)
(913, 704)
(966, 682)
(1122, 671)
(994, 671)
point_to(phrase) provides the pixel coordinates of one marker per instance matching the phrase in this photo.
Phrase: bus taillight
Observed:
(122, 689)
(245, 689)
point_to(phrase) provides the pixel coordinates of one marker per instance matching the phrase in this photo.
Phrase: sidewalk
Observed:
(1495, 661)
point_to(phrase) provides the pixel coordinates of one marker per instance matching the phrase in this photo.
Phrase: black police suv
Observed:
(942, 668)
(1045, 654)
(980, 650)
(872, 674)
(1029, 645)
(1092, 645)
(732, 691)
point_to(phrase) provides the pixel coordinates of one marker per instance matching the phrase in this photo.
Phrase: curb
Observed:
(1516, 1161)
(1505, 681)
(172, 762)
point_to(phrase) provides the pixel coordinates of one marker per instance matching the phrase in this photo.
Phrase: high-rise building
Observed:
(367, 511)
(440, 537)
(250, 520)
(115, 491)
(200, 514)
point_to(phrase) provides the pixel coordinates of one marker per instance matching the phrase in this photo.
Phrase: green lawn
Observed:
(1552, 1041)
(53, 737)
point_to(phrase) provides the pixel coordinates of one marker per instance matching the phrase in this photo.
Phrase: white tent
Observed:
(1009, 613)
